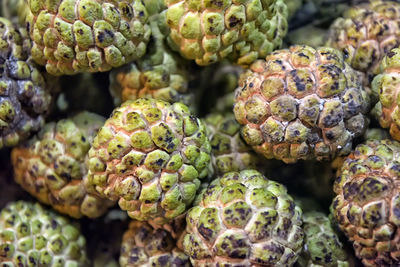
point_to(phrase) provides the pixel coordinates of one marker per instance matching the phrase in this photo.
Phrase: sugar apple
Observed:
(322, 247)
(301, 103)
(144, 246)
(386, 87)
(366, 33)
(25, 96)
(71, 36)
(242, 31)
(160, 74)
(229, 152)
(14, 10)
(367, 202)
(51, 166)
(150, 157)
(31, 235)
(244, 219)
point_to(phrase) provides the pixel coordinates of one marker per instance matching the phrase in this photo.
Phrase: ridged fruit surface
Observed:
(71, 36)
(244, 219)
(322, 247)
(144, 246)
(150, 156)
(366, 33)
(301, 103)
(31, 235)
(24, 96)
(229, 152)
(160, 74)
(386, 86)
(208, 31)
(51, 166)
(367, 202)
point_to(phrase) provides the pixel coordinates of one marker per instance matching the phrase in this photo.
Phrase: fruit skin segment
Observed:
(51, 166)
(150, 156)
(244, 219)
(301, 103)
(72, 36)
(242, 31)
(366, 206)
(25, 95)
(31, 235)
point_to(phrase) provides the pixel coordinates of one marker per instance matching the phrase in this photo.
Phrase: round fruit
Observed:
(51, 166)
(366, 33)
(387, 86)
(31, 235)
(71, 36)
(229, 152)
(244, 219)
(24, 96)
(322, 247)
(301, 103)
(367, 204)
(208, 31)
(150, 156)
(144, 246)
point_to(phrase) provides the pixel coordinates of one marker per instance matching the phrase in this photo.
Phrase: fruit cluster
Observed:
(201, 133)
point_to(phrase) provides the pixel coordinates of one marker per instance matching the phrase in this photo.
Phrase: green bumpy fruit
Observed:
(386, 86)
(208, 31)
(301, 103)
(24, 95)
(71, 36)
(14, 10)
(367, 202)
(322, 247)
(244, 219)
(150, 156)
(51, 166)
(31, 235)
(147, 247)
(160, 74)
(229, 152)
(366, 33)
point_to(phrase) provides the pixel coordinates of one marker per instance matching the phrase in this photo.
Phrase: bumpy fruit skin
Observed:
(144, 246)
(71, 36)
(150, 156)
(229, 152)
(51, 166)
(160, 74)
(31, 235)
(24, 96)
(244, 219)
(386, 86)
(366, 33)
(322, 247)
(208, 31)
(301, 103)
(367, 202)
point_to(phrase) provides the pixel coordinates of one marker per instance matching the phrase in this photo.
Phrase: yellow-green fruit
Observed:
(31, 235)
(51, 166)
(160, 74)
(71, 36)
(24, 94)
(14, 10)
(322, 247)
(244, 219)
(367, 202)
(208, 31)
(386, 87)
(229, 152)
(366, 33)
(145, 246)
(301, 103)
(150, 157)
